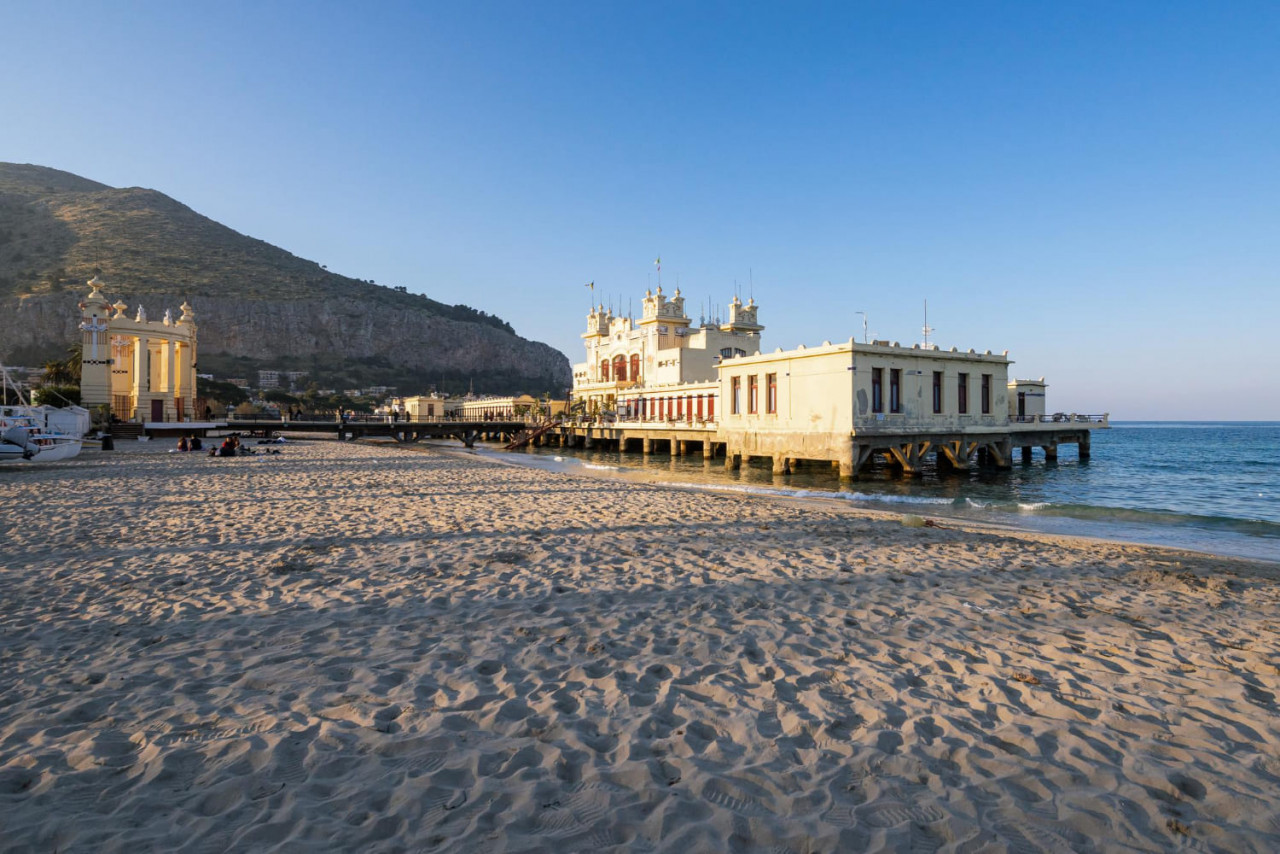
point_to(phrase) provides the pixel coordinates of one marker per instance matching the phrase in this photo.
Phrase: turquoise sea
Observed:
(1206, 486)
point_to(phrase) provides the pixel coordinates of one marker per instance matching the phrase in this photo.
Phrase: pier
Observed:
(351, 429)
(904, 449)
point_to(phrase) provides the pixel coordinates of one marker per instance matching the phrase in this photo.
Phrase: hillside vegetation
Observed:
(57, 230)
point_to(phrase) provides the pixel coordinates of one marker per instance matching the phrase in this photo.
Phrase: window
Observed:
(620, 368)
(635, 367)
(699, 407)
(771, 393)
(753, 394)
(986, 394)
(877, 389)
(937, 392)
(962, 394)
(711, 407)
(604, 370)
(679, 408)
(895, 390)
(735, 395)
(731, 352)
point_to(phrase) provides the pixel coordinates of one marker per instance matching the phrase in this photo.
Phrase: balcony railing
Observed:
(1062, 418)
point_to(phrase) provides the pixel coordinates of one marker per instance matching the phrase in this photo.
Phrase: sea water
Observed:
(1209, 487)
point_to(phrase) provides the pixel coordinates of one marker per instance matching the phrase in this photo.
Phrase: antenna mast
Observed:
(928, 330)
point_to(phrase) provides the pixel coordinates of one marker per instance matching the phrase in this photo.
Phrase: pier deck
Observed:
(904, 448)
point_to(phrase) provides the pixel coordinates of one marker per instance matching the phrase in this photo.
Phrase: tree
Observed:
(56, 395)
(228, 394)
(57, 373)
(278, 395)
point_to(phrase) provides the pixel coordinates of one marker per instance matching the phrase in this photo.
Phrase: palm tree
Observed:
(75, 355)
(56, 372)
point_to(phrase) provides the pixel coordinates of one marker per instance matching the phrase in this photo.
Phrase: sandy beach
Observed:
(367, 648)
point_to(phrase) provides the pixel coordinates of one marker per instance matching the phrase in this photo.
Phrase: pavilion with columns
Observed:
(145, 370)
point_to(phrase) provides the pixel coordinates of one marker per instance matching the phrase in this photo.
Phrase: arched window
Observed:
(620, 368)
(604, 370)
(635, 367)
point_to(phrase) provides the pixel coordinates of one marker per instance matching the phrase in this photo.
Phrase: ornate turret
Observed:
(598, 322)
(742, 318)
(95, 353)
(658, 309)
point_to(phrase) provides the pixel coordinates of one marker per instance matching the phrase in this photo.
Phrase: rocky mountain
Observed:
(257, 306)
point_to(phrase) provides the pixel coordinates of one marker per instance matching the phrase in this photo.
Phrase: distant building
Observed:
(268, 379)
(240, 382)
(423, 407)
(514, 408)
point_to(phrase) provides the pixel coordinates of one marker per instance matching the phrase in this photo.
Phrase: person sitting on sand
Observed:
(195, 444)
(183, 445)
(228, 449)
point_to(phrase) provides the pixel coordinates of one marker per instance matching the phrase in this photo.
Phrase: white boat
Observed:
(41, 434)
(25, 435)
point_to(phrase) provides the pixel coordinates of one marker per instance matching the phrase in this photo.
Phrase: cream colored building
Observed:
(662, 383)
(646, 370)
(144, 369)
(1026, 400)
(517, 408)
(423, 407)
(819, 403)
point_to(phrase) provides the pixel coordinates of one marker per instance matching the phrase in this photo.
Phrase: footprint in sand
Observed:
(1027, 838)
(893, 813)
(767, 722)
(584, 805)
(717, 793)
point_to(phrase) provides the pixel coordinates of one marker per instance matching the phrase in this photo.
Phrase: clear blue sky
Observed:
(1094, 186)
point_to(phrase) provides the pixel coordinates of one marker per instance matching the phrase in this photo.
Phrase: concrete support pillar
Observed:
(1084, 445)
(646, 445)
(588, 442)
(683, 447)
(708, 449)
(1026, 454)
(732, 459)
(1050, 451)
(781, 464)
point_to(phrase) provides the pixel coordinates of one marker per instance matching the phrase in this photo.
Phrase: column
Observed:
(141, 375)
